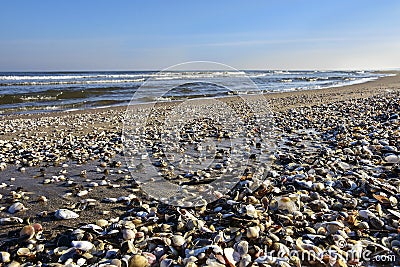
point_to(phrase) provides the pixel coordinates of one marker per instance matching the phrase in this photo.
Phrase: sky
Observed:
(152, 35)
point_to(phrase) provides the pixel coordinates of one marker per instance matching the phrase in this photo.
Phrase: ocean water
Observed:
(31, 92)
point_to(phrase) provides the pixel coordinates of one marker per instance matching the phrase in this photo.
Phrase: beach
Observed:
(331, 182)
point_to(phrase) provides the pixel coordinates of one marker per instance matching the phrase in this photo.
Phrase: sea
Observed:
(35, 92)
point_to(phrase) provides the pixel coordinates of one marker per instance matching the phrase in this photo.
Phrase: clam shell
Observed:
(138, 261)
(16, 207)
(178, 240)
(82, 245)
(4, 257)
(65, 214)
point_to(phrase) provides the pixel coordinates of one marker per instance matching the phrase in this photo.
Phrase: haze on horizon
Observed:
(152, 35)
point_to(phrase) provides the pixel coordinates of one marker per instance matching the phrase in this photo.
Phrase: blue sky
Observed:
(137, 35)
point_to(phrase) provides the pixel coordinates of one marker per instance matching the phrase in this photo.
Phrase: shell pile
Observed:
(329, 193)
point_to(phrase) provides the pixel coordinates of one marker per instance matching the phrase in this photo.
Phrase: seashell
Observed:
(376, 222)
(102, 223)
(67, 254)
(23, 252)
(378, 209)
(395, 213)
(178, 240)
(242, 248)
(251, 211)
(16, 207)
(111, 253)
(382, 199)
(151, 258)
(363, 225)
(231, 256)
(333, 227)
(392, 159)
(393, 201)
(195, 252)
(5, 257)
(82, 193)
(38, 227)
(366, 214)
(10, 220)
(93, 227)
(82, 245)
(138, 261)
(81, 261)
(65, 214)
(245, 261)
(42, 199)
(283, 203)
(253, 232)
(128, 234)
(167, 263)
(27, 232)
(318, 186)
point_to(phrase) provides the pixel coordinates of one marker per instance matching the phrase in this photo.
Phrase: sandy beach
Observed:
(333, 182)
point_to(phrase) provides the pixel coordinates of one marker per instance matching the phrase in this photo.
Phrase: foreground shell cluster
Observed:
(330, 193)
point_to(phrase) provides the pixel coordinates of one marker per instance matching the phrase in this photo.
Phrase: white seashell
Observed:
(23, 252)
(178, 240)
(195, 252)
(82, 193)
(10, 220)
(253, 232)
(82, 245)
(128, 234)
(16, 207)
(64, 214)
(231, 256)
(366, 214)
(81, 261)
(395, 213)
(110, 200)
(4, 257)
(392, 159)
(93, 227)
(251, 211)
